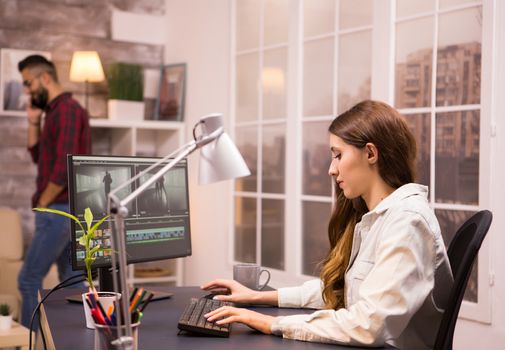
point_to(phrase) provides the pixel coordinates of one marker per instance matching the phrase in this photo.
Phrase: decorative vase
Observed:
(5, 322)
(106, 300)
(126, 110)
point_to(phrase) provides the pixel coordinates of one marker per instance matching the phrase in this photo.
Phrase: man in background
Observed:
(63, 130)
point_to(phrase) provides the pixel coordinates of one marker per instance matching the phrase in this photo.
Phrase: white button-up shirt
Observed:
(396, 285)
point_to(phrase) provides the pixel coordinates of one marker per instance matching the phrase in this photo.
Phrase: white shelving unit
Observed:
(145, 138)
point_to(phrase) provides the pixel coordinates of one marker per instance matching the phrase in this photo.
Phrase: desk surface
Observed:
(159, 327)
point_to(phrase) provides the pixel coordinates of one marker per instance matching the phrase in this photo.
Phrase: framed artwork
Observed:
(13, 101)
(172, 91)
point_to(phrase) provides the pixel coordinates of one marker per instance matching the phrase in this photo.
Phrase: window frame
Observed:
(480, 311)
(382, 88)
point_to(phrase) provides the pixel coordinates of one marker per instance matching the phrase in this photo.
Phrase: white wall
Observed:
(198, 34)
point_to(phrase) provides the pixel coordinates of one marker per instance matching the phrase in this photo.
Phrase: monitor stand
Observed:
(105, 280)
(107, 285)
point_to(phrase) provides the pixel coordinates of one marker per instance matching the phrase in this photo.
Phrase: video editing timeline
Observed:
(148, 236)
(154, 235)
(157, 226)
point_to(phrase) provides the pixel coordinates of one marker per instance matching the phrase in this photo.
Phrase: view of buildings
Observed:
(457, 133)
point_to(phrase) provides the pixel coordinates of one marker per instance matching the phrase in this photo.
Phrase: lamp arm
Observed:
(124, 339)
(203, 140)
(178, 155)
(183, 154)
(113, 193)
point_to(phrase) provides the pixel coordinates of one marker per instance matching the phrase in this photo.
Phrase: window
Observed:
(336, 74)
(298, 63)
(447, 100)
(335, 64)
(261, 61)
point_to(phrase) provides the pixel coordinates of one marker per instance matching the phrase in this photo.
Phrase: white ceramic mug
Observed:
(249, 275)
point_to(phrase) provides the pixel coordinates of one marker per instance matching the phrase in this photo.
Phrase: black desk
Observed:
(66, 326)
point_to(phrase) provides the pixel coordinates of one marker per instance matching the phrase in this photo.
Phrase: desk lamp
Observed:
(86, 67)
(219, 160)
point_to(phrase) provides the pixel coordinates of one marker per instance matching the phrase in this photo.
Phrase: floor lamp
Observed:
(219, 160)
(86, 67)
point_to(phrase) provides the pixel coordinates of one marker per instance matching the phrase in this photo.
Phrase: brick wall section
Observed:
(61, 27)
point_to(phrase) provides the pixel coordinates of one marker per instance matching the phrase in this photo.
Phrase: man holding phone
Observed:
(57, 126)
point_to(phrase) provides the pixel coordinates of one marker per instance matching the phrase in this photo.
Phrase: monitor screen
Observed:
(157, 226)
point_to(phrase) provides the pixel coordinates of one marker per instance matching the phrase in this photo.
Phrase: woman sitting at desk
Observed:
(386, 278)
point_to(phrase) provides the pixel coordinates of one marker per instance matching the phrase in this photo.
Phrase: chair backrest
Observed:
(462, 253)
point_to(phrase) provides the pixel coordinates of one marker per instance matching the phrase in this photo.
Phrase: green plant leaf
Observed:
(5, 309)
(59, 212)
(97, 249)
(93, 251)
(126, 81)
(88, 216)
(86, 239)
(89, 261)
(97, 225)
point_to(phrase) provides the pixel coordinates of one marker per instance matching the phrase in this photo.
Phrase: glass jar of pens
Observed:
(106, 337)
(105, 320)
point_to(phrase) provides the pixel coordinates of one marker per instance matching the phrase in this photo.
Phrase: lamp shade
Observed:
(220, 160)
(86, 66)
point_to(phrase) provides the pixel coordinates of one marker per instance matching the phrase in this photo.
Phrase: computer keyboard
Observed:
(193, 320)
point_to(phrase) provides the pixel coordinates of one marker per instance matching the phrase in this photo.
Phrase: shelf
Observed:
(144, 124)
(141, 280)
(13, 114)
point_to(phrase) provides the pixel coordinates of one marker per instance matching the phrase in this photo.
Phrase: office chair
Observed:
(462, 253)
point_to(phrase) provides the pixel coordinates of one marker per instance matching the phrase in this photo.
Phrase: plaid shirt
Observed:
(65, 131)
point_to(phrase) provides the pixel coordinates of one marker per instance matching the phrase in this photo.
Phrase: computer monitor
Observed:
(157, 226)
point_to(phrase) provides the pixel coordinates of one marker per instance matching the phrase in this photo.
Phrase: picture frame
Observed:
(13, 100)
(172, 93)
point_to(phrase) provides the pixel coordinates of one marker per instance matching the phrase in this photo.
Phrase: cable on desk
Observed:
(61, 285)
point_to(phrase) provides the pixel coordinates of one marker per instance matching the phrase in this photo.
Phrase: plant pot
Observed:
(5, 322)
(125, 110)
(106, 299)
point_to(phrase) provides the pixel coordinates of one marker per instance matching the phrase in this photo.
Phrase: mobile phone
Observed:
(35, 103)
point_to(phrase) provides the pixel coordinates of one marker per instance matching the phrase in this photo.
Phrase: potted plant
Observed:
(91, 250)
(126, 92)
(5, 317)
(86, 240)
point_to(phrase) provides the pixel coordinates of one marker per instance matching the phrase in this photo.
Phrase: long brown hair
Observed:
(382, 125)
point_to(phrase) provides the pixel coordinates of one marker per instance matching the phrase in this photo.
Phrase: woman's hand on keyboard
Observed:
(231, 290)
(230, 314)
